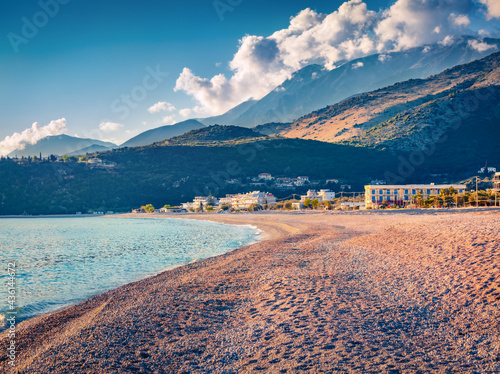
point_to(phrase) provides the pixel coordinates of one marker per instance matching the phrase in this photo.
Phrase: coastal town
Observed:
(375, 196)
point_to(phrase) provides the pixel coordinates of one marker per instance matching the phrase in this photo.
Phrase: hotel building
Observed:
(496, 182)
(322, 195)
(404, 194)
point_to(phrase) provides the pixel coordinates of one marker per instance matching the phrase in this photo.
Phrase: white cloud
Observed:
(357, 65)
(185, 112)
(481, 46)
(426, 49)
(459, 20)
(352, 31)
(32, 135)
(168, 120)
(448, 40)
(493, 8)
(110, 126)
(161, 106)
(383, 57)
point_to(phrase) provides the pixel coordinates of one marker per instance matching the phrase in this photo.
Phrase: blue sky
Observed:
(100, 65)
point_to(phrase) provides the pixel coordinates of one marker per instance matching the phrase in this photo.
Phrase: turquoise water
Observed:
(61, 261)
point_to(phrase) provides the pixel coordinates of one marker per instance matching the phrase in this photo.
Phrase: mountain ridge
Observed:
(312, 87)
(355, 117)
(59, 145)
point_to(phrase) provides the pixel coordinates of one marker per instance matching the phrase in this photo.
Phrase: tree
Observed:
(447, 196)
(315, 203)
(210, 200)
(224, 207)
(279, 205)
(254, 207)
(68, 158)
(419, 199)
(149, 208)
(307, 203)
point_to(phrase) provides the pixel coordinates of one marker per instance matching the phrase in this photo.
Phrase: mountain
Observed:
(220, 160)
(162, 133)
(313, 87)
(215, 134)
(94, 148)
(403, 115)
(272, 128)
(173, 173)
(59, 145)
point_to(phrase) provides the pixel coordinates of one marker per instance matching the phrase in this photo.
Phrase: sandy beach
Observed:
(381, 292)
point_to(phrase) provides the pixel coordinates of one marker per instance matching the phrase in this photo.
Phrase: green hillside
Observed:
(161, 174)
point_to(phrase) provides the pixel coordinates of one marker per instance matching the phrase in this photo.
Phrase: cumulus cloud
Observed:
(32, 135)
(168, 120)
(358, 65)
(493, 8)
(185, 112)
(110, 126)
(481, 46)
(448, 40)
(459, 19)
(352, 31)
(161, 106)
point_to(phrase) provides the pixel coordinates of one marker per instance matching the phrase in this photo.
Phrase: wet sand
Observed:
(324, 292)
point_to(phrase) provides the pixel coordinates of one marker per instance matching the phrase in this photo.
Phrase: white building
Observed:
(402, 195)
(496, 182)
(172, 209)
(199, 202)
(243, 201)
(322, 195)
(266, 176)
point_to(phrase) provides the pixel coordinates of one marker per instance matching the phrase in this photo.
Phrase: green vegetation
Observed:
(67, 158)
(148, 208)
(177, 173)
(224, 207)
(254, 207)
(214, 135)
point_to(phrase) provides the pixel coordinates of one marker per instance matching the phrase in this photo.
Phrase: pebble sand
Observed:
(380, 292)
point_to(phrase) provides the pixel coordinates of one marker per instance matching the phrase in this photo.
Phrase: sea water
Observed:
(62, 261)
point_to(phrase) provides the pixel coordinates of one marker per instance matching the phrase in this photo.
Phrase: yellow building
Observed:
(402, 195)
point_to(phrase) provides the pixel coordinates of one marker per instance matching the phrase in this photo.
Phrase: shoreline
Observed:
(295, 301)
(291, 212)
(257, 236)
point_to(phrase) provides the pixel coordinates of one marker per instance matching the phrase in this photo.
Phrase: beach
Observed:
(374, 291)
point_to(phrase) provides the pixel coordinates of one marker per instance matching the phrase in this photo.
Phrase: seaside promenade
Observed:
(379, 291)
